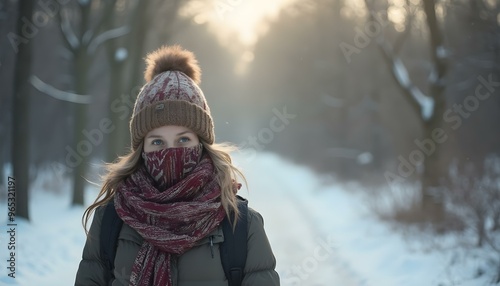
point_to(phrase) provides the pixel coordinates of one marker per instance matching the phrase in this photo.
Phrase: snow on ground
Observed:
(321, 235)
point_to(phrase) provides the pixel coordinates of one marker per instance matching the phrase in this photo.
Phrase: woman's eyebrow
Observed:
(184, 132)
(153, 136)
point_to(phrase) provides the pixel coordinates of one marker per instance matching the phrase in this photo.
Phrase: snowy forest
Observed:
(394, 102)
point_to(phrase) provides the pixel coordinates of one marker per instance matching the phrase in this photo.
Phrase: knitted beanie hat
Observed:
(171, 96)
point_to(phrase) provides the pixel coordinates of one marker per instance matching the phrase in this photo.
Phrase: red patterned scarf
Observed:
(173, 201)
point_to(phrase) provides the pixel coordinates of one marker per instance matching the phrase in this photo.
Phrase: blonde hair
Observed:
(226, 175)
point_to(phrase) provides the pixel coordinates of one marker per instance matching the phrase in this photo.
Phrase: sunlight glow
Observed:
(353, 9)
(241, 20)
(396, 13)
(238, 24)
(248, 56)
(440, 11)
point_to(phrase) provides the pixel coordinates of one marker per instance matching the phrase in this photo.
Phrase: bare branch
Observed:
(87, 37)
(68, 33)
(105, 36)
(59, 94)
(422, 102)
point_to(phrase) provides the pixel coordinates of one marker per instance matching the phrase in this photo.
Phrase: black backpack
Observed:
(233, 251)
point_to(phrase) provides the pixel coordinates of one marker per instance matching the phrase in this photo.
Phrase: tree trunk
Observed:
(117, 139)
(431, 202)
(83, 146)
(431, 198)
(20, 114)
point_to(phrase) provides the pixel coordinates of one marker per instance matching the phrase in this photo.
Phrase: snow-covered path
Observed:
(320, 234)
(306, 252)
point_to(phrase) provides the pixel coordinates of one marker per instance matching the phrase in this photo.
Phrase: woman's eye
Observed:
(184, 139)
(156, 142)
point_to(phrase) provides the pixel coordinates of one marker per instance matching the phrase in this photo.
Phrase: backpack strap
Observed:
(111, 225)
(233, 251)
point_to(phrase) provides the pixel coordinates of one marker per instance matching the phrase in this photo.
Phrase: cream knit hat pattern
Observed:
(171, 96)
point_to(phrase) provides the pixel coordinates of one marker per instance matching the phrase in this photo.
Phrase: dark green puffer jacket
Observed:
(196, 267)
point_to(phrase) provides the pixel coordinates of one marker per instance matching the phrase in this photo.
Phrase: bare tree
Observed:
(86, 27)
(82, 30)
(429, 107)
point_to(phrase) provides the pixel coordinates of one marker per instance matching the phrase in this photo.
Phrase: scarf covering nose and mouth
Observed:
(169, 166)
(173, 201)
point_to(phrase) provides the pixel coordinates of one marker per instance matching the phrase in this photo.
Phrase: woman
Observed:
(172, 191)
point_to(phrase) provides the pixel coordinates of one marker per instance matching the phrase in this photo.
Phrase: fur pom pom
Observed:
(172, 58)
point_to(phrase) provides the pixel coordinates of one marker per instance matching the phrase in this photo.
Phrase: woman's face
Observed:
(169, 136)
